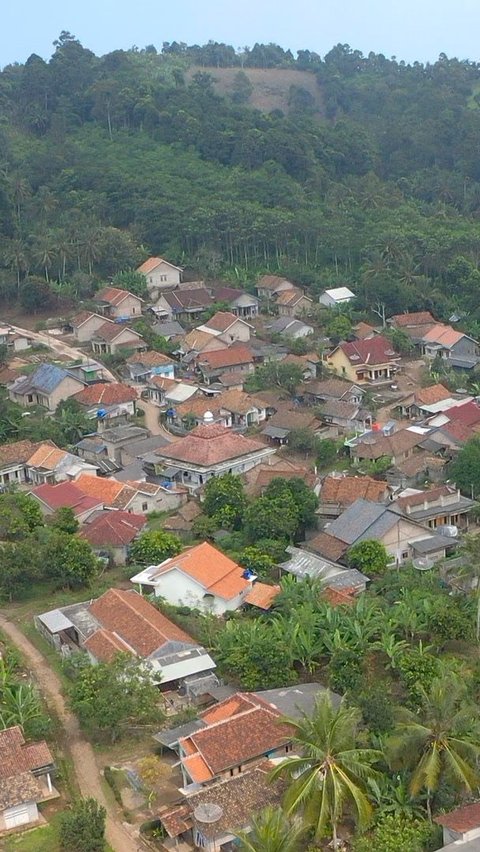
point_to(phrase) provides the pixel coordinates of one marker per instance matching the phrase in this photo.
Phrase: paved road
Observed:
(152, 413)
(118, 834)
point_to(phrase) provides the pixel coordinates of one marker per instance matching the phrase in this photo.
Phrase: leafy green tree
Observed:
(154, 546)
(369, 556)
(225, 500)
(275, 374)
(82, 828)
(272, 831)
(71, 560)
(110, 697)
(441, 741)
(132, 281)
(254, 559)
(331, 770)
(304, 497)
(241, 88)
(396, 833)
(326, 452)
(253, 655)
(21, 563)
(19, 515)
(465, 468)
(418, 669)
(276, 518)
(64, 520)
(72, 422)
(302, 441)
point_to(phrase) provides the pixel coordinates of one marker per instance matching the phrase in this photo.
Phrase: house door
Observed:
(15, 817)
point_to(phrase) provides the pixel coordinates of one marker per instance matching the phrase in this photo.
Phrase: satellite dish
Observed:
(208, 813)
(423, 563)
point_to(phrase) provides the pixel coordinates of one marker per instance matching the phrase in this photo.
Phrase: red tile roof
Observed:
(114, 295)
(467, 414)
(210, 445)
(210, 568)
(375, 350)
(346, 489)
(327, 546)
(223, 358)
(413, 319)
(136, 622)
(110, 330)
(66, 494)
(461, 819)
(106, 393)
(17, 757)
(113, 529)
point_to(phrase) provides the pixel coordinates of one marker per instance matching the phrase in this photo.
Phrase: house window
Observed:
(163, 277)
(144, 507)
(405, 554)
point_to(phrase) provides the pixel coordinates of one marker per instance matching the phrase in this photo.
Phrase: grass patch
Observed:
(46, 837)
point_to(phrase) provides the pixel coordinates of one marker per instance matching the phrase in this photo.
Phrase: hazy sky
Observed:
(407, 29)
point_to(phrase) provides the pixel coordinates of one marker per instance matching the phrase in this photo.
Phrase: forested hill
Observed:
(370, 174)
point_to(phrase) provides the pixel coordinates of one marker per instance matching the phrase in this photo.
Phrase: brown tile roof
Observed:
(245, 735)
(221, 358)
(113, 529)
(163, 383)
(327, 546)
(232, 379)
(339, 597)
(19, 451)
(432, 394)
(419, 462)
(462, 819)
(429, 496)
(262, 595)
(270, 282)
(260, 476)
(184, 518)
(136, 622)
(290, 298)
(20, 788)
(110, 330)
(210, 568)
(413, 319)
(335, 388)
(150, 358)
(209, 445)
(198, 406)
(375, 350)
(17, 757)
(222, 320)
(82, 317)
(196, 299)
(152, 262)
(238, 402)
(363, 330)
(114, 295)
(346, 489)
(387, 445)
(293, 419)
(106, 393)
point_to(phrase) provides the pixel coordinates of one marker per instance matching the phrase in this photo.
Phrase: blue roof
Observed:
(47, 377)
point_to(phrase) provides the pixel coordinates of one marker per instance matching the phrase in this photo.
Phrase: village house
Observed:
(88, 371)
(292, 303)
(47, 386)
(330, 390)
(422, 402)
(186, 304)
(346, 416)
(237, 358)
(193, 412)
(110, 444)
(303, 563)
(339, 491)
(402, 537)
(142, 366)
(259, 478)
(197, 342)
(181, 523)
(375, 445)
(112, 338)
(230, 408)
(364, 362)
(415, 319)
(201, 577)
(269, 286)
(234, 736)
(461, 828)
(308, 363)
(15, 341)
(285, 421)
(85, 324)
(110, 534)
(208, 450)
(13, 461)
(443, 341)
(170, 392)
(239, 302)
(336, 297)
(363, 330)
(49, 464)
(131, 496)
(54, 497)
(437, 507)
(107, 402)
(228, 327)
(26, 771)
(289, 327)
(118, 304)
(169, 329)
(160, 275)
(124, 622)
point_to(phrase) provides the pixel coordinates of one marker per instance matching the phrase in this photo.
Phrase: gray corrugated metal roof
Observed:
(303, 563)
(294, 701)
(347, 578)
(432, 544)
(55, 621)
(171, 736)
(359, 519)
(275, 432)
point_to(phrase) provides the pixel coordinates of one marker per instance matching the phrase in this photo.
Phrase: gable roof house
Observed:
(290, 327)
(53, 497)
(231, 408)
(49, 464)
(365, 362)
(258, 478)
(201, 577)
(111, 533)
(107, 402)
(132, 496)
(402, 537)
(308, 363)
(118, 304)
(376, 445)
(48, 385)
(123, 621)
(207, 451)
(111, 338)
(443, 341)
(85, 324)
(335, 297)
(25, 780)
(339, 492)
(160, 275)
(237, 358)
(284, 421)
(240, 303)
(330, 390)
(169, 329)
(236, 733)
(184, 304)
(164, 391)
(347, 416)
(13, 461)
(421, 402)
(142, 366)
(199, 341)
(269, 286)
(291, 303)
(461, 828)
(228, 327)
(437, 507)
(336, 578)
(415, 319)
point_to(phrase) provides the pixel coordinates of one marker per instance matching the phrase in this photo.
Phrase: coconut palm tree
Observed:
(272, 831)
(443, 741)
(331, 772)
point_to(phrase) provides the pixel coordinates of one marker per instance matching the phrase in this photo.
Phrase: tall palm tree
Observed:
(331, 771)
(272, 831)
(443, 741)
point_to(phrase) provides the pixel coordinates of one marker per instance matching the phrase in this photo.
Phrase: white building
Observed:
(336, 297)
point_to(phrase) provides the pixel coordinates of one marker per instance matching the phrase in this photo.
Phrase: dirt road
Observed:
(60, 347)
(152, 413)
(86, 770)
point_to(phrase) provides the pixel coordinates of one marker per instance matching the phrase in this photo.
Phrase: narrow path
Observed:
(152, 413)
(81, 752)
(60, 347)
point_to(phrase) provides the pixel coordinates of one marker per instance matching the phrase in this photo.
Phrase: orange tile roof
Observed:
(339, 597)
(106, 393)
(151, 358)
(227, 357)
(226, 709)
(214, 571)
(47, 456)
(432, 394)
(222, 320)
(197, 340)
(109, 491)
(444, 335)
(152, 262)
(113, 529)
(346, 489)
(197, 769)
(104, 645)
(262, 595)
(114, 295)
(209, 445)
(291, 297)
